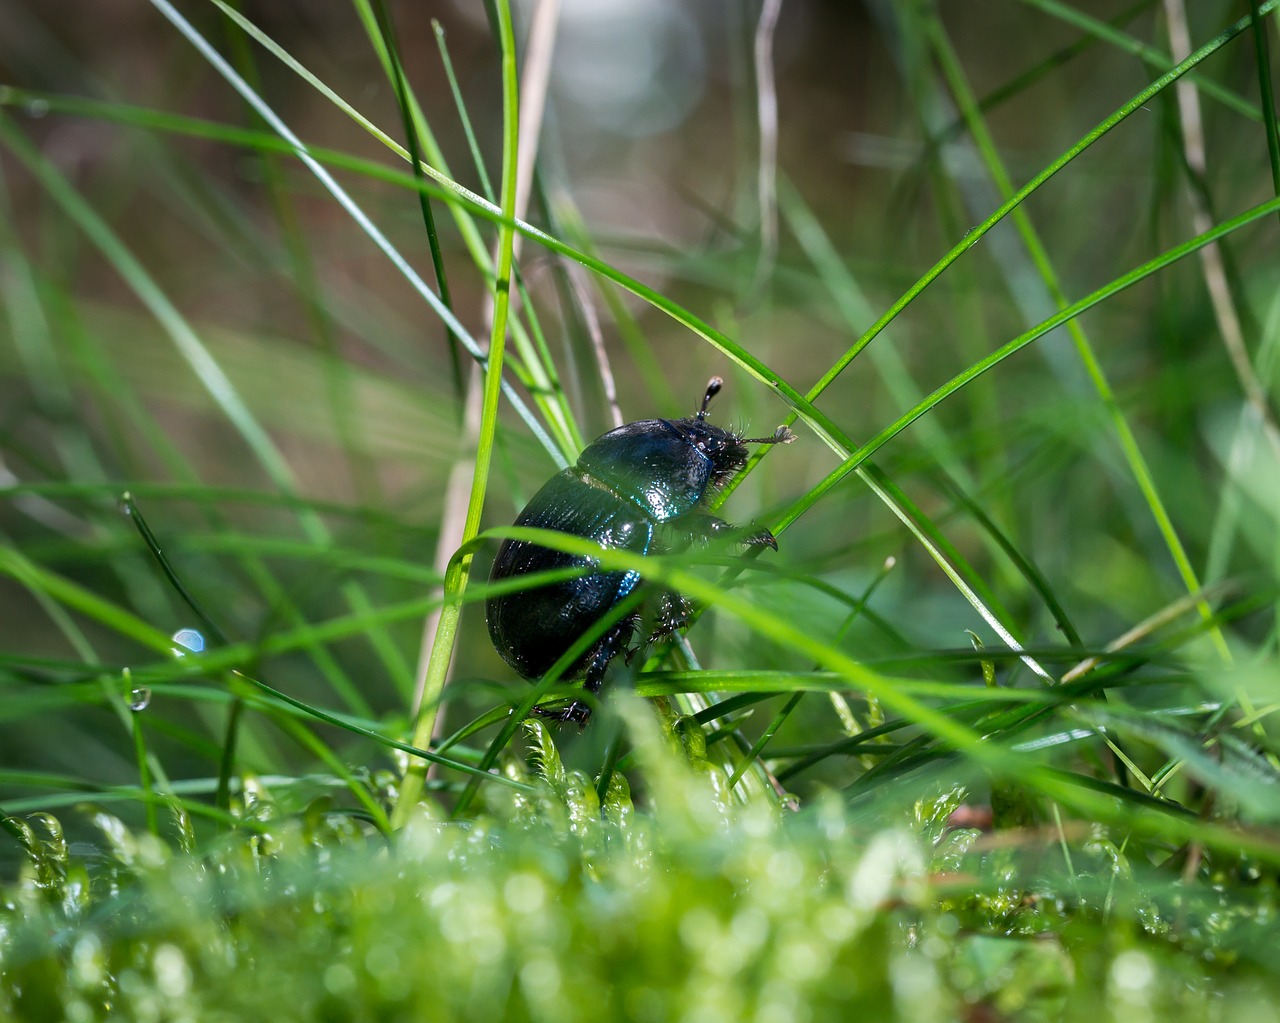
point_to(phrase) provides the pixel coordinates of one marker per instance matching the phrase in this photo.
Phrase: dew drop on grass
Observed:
(188, 640)
(37, 107)
(139, 696)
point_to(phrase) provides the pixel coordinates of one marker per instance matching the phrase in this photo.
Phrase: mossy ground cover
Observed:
(550, 905)
(298, 308)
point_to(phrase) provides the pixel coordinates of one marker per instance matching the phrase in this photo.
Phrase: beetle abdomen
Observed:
(532, 628)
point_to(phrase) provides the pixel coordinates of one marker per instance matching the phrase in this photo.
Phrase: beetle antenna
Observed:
(713, 388)
(781, 435)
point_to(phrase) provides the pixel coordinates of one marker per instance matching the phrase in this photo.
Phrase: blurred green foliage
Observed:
(543, 908)
(1009, 270)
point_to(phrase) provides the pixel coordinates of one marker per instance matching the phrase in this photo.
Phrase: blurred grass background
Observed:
(652, 154)
(1016, 656)
(189, 317)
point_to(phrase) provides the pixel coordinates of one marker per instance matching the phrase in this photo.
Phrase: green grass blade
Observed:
(459, 566)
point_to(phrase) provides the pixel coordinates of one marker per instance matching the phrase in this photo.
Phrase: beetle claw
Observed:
(577, 712)
(763, 538)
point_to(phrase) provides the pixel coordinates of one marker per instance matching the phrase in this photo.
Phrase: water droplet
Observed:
(139, 698)
(37, 107)
(125, 504)
(188, 639)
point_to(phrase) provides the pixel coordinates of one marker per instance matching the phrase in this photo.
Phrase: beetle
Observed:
(643, 487)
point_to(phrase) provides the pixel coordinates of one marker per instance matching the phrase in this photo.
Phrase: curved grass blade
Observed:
(298, 149)
(457, 574)
(392, 49)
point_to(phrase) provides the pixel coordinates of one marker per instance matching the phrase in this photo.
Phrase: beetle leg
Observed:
(674, 612)
(611, 644)
(761, 538)
(577, 712)
(709, 526)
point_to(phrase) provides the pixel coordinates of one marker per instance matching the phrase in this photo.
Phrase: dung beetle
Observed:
(643, 487)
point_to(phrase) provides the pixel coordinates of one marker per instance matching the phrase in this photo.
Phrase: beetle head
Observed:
(726, 449)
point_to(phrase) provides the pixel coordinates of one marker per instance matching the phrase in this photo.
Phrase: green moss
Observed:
(539, 911)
